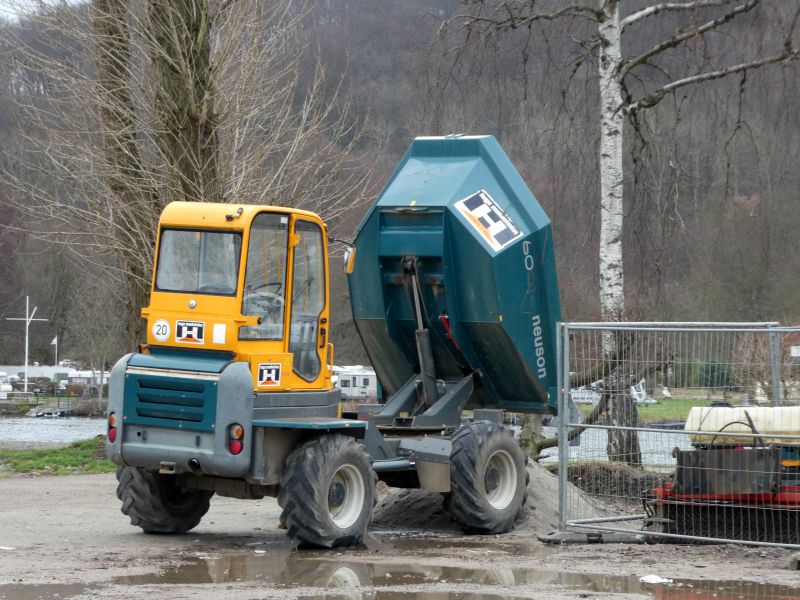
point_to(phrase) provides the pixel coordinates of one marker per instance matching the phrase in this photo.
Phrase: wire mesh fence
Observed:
(681, 431)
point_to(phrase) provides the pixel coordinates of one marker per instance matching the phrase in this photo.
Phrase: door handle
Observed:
(323, 333)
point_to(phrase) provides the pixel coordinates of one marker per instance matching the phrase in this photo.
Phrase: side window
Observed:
(345, 383)
(265, 277)
(308, 299)
(366, 382)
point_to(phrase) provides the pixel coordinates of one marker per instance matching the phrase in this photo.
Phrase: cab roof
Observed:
(220, 215)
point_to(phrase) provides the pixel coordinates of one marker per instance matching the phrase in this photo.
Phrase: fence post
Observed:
(562, 362)
(775, 366)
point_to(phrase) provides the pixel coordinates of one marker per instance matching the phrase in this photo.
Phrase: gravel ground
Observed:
(66, 536)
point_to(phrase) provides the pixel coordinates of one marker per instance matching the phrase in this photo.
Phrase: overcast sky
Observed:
(8, 8)
(5, 10)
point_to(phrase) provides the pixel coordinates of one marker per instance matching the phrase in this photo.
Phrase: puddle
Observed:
(366, 574)
(350, 573)
(469, 547)
(44, 591)
(381, 595)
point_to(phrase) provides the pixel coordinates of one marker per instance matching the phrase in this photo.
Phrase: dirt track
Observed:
(66, 535)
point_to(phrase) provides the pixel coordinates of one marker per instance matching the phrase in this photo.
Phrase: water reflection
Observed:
(345, 576)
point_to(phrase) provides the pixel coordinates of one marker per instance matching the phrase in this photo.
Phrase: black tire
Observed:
(157, 504)
(328, 492)
(488, 479)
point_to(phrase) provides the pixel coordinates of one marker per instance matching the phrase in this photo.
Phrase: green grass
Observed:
(667, 410)
(86, 456)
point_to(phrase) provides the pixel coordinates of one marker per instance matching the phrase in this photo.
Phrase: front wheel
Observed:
(328, 492)
(157, 504)
(488, 479)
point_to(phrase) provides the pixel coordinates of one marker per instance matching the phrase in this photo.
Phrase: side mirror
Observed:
(349, 259)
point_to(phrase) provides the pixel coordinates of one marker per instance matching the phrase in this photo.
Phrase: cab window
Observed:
(198, 262)
(308, 299)
(265, 277)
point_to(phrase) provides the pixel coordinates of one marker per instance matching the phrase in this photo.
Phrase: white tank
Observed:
(772, 421)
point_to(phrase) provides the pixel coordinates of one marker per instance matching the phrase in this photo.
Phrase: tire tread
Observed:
(466, 503)
(145, 503)
(304, 489)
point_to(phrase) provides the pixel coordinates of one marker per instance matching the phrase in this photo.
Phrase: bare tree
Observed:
(124, 106)
(93, 330)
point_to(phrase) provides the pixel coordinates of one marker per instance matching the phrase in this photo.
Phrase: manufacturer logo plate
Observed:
(190, 332)
(489, 220)
(269, 374)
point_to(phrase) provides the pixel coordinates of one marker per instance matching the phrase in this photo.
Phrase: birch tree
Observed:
(124, 105)
(620, 94)
(624, 91)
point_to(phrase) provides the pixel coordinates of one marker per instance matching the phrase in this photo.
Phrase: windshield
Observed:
(205, 262)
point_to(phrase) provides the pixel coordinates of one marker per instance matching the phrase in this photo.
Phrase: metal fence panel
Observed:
(689, 431)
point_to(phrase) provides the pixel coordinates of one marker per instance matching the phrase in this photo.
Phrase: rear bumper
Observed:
(174, 445)
(173, 451)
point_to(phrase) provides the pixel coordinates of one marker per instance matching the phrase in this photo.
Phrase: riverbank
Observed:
(61, 406)
(14, 409)
(85, 456)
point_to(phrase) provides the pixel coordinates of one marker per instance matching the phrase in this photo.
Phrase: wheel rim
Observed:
(346, 496)
(500, 479)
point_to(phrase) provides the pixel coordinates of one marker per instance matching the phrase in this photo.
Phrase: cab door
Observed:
(308, 319)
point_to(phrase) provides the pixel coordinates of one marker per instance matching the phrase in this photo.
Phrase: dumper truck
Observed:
(454, 295)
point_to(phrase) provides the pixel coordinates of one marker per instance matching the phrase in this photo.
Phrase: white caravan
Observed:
(356, 382)
(5, 385)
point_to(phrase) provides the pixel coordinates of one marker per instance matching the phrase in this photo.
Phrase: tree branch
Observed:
(654, 10)
(655, 97)
(515, 20)
(679, 38)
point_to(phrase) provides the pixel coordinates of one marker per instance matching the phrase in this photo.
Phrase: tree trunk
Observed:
(126, 177)
(180, 48)
(531, 435)
(135, 299)
(100, 396)
(622, 445)
(611, 177)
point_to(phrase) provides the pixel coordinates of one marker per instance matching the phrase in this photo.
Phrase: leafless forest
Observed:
(110, 109)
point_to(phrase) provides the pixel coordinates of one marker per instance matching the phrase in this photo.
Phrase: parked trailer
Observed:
(454, 294)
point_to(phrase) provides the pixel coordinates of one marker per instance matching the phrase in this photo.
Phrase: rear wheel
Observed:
(328, 492)
(157, 504)
(488, 479)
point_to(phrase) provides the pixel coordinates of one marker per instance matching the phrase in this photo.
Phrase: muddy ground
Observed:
(65, 537)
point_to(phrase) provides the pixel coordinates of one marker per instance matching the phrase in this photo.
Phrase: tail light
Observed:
(112, 427)
(235, 437)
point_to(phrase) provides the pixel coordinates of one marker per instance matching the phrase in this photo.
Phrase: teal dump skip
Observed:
(483, 249)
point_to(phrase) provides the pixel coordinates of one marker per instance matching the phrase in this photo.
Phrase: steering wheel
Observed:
(263, 302)
(214, 288)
